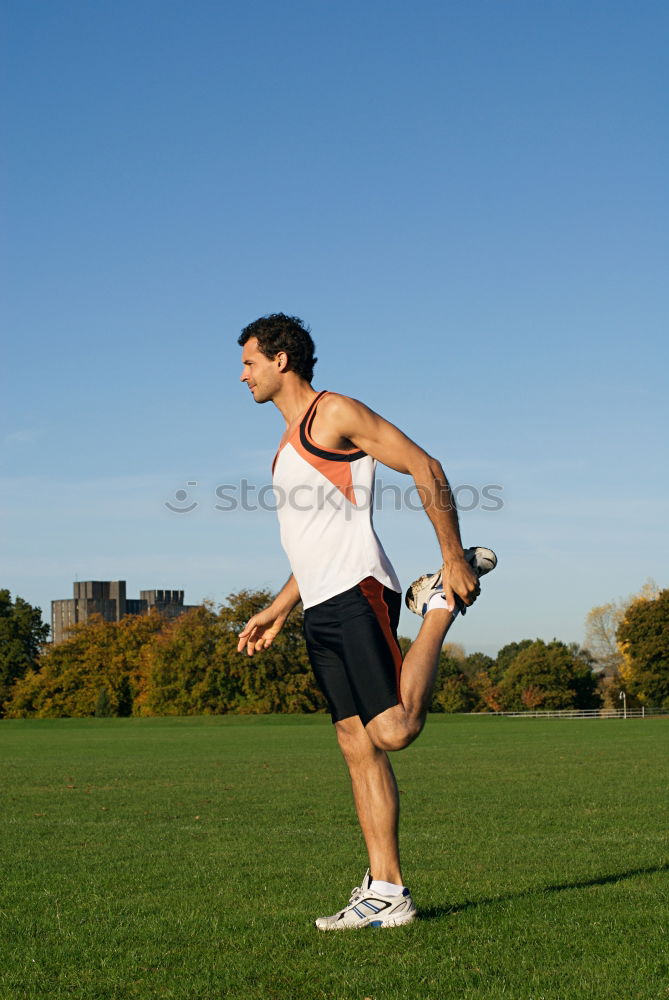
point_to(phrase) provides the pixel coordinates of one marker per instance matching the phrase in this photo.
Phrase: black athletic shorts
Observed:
(353, 649)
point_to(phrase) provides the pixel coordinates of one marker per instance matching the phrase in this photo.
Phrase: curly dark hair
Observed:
(278, 332)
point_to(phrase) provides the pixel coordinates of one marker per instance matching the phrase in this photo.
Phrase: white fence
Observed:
(591, 713)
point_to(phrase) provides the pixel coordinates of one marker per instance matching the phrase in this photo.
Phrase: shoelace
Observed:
(356, 894)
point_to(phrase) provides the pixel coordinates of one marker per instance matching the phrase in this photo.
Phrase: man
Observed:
(323, 474)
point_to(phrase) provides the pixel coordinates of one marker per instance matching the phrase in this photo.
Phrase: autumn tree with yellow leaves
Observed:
(601, 641)
(643, 640)
(97, 655)
(148, 665)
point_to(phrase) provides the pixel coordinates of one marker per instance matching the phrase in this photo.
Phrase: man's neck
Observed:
(293, 399)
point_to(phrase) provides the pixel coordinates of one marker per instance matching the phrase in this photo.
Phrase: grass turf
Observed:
(186, 858)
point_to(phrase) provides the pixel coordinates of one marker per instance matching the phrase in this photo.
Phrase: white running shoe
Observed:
(421, 590)
(371, 909)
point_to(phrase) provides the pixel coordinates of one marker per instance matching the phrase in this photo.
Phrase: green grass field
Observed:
(186, 858)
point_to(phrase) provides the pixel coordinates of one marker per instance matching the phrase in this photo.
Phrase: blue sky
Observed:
(466, 202)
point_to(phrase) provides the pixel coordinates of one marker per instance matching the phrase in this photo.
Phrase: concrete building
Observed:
(107, 598)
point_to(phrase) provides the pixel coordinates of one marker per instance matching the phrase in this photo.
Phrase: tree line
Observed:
(148, 665)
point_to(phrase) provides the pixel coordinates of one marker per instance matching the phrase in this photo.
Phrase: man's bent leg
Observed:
(398, 726)
(376, 798)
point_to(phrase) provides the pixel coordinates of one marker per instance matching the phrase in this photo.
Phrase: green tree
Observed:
(643, 636)
(486, 693)
(189, 665)
(477, 663)
(453, 695)
(188, 668)
(549, 676)
(22, 634)
(505, 658)
(103, 706)
(451, 689)
(193, 667)
(280, 678)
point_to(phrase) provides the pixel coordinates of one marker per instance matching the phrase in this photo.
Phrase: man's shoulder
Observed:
(337, 417)
(337, 402)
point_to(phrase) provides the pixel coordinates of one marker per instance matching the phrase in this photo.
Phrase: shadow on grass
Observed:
(437, 912)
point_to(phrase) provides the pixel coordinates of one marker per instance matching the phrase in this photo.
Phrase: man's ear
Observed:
(282, 360)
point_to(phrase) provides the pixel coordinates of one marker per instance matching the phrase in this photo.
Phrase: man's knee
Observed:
(353, 739)
(394, 731)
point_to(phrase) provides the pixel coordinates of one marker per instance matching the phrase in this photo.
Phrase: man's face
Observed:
(260, 374)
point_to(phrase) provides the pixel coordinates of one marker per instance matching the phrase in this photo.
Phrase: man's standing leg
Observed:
(376, 798)
(382, 899)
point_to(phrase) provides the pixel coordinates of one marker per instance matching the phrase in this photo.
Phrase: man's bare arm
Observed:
(261, 630)
(288, 596)
(385, 442)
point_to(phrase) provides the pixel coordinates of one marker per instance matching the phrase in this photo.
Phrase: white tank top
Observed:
(325, 504)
